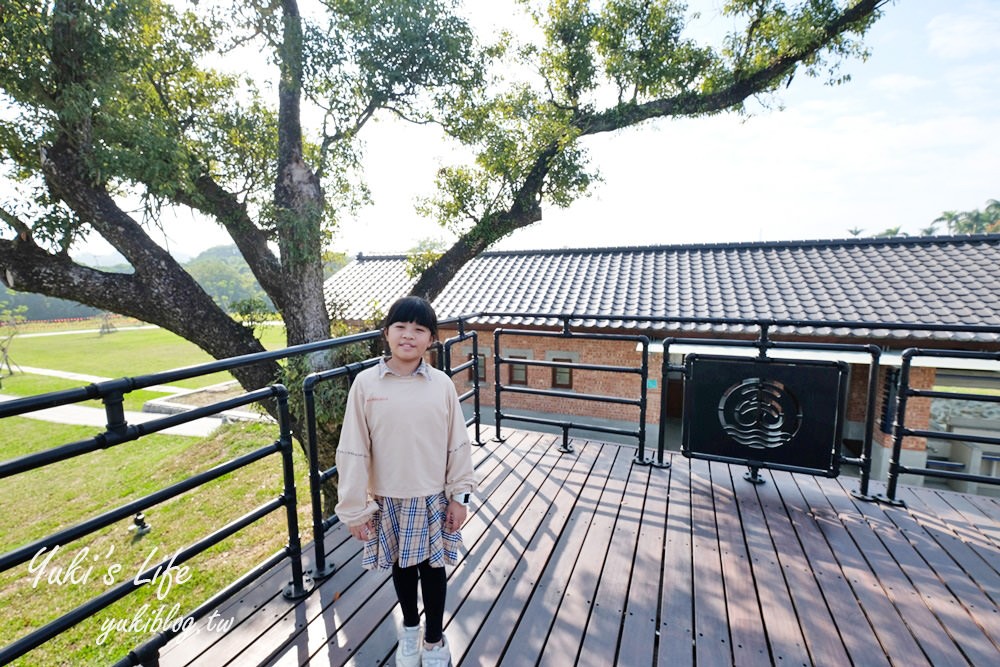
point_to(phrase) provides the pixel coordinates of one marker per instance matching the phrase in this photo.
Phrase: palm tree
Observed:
(950, 219)
(986, 221)
(855, 231)
(992, 216)
(972, 222)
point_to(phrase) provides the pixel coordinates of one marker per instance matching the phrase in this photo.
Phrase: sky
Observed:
(916, 132)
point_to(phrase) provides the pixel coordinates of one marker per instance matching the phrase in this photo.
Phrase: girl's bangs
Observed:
(412, 309)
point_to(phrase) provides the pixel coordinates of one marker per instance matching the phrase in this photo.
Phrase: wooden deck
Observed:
(588, 559)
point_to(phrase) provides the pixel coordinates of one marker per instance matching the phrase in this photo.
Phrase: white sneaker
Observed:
(439, 656)
(410, 642)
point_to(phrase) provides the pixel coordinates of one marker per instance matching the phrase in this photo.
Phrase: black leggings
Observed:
(433, 584)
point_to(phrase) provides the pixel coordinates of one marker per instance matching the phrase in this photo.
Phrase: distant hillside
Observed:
(100, 261)
(43, 307)
(225, 275)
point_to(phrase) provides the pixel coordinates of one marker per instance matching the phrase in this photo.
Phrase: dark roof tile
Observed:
(927, 280)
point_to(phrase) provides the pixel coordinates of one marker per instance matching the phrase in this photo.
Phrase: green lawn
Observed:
(126, 352)
(39, 502)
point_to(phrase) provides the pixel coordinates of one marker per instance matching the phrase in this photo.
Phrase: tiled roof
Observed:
(947, 280)
(367, 285)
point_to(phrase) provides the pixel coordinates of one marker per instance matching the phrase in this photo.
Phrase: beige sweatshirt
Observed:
(403, 437)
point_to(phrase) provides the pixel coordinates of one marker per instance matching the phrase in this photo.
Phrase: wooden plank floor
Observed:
(587, 558)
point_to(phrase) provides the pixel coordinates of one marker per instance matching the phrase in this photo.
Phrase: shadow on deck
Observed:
(586, 558)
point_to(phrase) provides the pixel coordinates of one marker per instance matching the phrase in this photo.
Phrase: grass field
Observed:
(39, 502)
(128, 351)
(125, 352)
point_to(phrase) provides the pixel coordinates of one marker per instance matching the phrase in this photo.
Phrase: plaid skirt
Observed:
(410, 531)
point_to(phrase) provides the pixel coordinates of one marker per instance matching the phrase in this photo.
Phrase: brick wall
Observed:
(918, 410)
(587, 382)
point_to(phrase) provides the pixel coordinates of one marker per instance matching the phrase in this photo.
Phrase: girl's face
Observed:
(408, 341)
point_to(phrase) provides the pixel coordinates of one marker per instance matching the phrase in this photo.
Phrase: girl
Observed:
(405, 475)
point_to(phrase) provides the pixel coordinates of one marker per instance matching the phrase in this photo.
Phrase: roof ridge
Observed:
(730, 245)
(362, 256)
(892, 240)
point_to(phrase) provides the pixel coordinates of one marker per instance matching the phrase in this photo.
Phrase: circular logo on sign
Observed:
(759, 413)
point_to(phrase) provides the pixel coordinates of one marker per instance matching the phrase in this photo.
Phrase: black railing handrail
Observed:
(103, 388)
(287, 500)
(566, 425)
(317, 476)
(128, 433)
(900, 430)
(764, 344)
(119, 431)
(446, 364)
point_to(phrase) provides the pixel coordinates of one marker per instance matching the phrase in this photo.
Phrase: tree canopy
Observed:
(114, 111)
(986, 221)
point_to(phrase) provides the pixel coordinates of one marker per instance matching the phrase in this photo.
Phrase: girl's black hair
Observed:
(412, 309)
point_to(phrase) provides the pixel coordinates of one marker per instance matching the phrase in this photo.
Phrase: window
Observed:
(480, 366)
(518, 372)
(562, 378)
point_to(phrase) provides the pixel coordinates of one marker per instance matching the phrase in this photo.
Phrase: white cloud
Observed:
(955, 36)
(974, 84)
(895, 85)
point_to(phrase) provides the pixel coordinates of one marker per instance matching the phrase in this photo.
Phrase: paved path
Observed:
(87, 416)
(81, 331)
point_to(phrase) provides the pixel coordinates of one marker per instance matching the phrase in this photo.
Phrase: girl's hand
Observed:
(457, 513)
(364, 531)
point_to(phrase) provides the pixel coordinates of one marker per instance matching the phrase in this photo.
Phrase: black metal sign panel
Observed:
(765, 412)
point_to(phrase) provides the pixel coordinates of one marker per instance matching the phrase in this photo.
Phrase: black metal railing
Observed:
(566, 333)
(763, 344)
(118, 431)
(900, 430)
(319, 476)
(755, 332)
(472, 364)
(124, 433)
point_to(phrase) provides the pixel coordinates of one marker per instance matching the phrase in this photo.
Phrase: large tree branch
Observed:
(29, 268)
(159, 292)
(744, 85)
(26, 267)
(225, 207)
(20, 226)
(525, 210)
